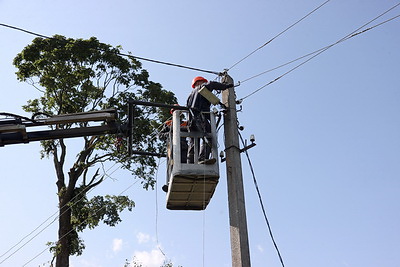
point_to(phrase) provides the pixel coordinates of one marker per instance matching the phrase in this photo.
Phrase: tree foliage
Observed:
(76, 75)
(85, 75)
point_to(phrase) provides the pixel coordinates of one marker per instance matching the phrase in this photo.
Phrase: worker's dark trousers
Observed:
(205, 148)
(184, 150)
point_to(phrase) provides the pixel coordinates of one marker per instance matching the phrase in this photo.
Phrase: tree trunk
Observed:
(64, 220)
(64, 230)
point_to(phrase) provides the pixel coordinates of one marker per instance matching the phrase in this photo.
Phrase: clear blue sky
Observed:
(328, 133)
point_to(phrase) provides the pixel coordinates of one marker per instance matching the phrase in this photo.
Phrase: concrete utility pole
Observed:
(237, 211)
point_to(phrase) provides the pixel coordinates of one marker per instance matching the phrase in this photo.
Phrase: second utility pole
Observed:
(237, 210)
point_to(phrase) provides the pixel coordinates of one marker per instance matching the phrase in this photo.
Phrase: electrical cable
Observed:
(126, 189)
(41, 114)
(320, 51)
(261, 203)
(121, 54)
(280, 66)
(204, 228)
(107, 176)
(158, 243)
(171, 64)
(279, 34)
(9, 256)
(326, 47)
(23, 30)
(26, 236)
(204, 203)
(6, 114)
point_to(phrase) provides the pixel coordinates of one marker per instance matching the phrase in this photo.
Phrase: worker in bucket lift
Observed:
(201, 122)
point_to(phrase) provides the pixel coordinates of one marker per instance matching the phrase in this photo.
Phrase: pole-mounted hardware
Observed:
(247, 147)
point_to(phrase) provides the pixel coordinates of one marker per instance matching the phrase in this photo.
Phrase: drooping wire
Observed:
(171, 64)
(26, 236)
(158, 243)
(279, 34)
(280, 66)
(9, 256)
(204, 211)
(326, 47)
(121, 54)
(261, 203)
(95, 212)
(6, 114)
(204, 229)
(47, 226)
(23, 30)
(320, 51)
(83, 193)
(152, 135)
(107, 176)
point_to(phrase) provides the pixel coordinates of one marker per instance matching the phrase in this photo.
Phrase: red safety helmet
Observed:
(198, 78)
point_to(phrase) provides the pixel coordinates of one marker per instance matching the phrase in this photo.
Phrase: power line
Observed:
(326, 47)
(320, 51)
(261, 202)
(280, 66)
(40, 253)
(107, 176)
(6, 114)
(83, 193)
(9, 256)
(121, 54)
(23, 30)
(152, 135)
(26, 236)
(279, 34)
(156, 210)
(37, 234)
(172, 64)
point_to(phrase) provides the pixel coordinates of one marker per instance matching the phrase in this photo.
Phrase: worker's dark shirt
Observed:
(198, 102)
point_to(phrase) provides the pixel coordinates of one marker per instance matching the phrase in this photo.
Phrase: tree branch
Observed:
(58, 164)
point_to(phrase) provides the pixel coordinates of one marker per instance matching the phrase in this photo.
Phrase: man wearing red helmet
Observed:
(198, 122)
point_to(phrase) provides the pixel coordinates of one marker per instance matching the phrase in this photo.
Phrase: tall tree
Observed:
(76, 75)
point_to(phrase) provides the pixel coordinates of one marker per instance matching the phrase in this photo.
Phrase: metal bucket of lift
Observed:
(190, 185)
